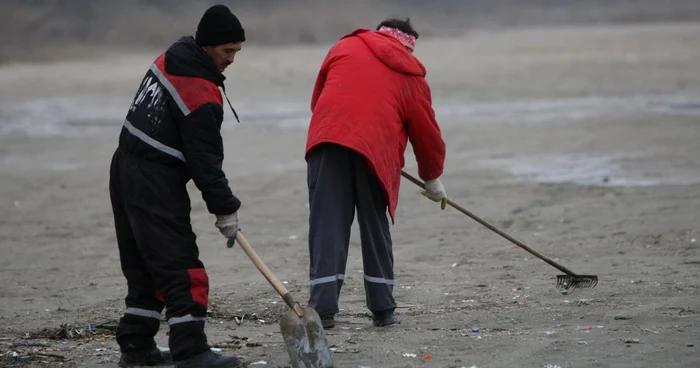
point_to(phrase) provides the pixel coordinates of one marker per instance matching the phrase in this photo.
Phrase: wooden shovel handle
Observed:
(274, 281)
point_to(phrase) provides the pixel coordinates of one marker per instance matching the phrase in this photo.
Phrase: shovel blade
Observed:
(305, 340)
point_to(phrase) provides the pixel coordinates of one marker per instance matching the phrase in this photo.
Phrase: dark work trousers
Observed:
(159, 257)
(339, 181)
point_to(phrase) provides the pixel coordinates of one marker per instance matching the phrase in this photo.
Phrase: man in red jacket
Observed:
(370, 98)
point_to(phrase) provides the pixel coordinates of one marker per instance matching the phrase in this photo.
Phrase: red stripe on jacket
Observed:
(193, 91)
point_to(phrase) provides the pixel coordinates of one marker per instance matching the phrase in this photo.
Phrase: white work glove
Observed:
(436, 192)
(227, 224)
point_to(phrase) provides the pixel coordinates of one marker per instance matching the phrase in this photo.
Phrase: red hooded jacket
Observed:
(371, 96)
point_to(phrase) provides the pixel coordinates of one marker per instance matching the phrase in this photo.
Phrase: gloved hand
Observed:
(227, 224)
(436, 192)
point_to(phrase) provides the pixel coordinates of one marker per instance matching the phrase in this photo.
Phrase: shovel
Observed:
(301, 327)
(569, 281)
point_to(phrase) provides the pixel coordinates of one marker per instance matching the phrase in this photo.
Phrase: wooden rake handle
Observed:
(271, 278)
(494, 228)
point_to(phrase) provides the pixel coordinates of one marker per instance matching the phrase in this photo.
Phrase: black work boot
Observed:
(210, 359)
(384, 319)
(151, 358)
(327, 321)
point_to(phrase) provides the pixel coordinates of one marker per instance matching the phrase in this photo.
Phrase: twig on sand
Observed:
(406, 306)
(47, 355)
(30, 344)
(227, 346)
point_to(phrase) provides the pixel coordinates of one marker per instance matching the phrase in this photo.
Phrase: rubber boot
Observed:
(209, 359)
(154, 357)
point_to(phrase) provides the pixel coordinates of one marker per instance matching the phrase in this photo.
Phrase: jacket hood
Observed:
(186, 58)
(390, 51)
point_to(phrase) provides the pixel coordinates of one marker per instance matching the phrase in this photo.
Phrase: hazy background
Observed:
(572, 124)
(63, 28)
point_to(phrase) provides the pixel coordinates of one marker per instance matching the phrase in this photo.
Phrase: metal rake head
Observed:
(569, 283)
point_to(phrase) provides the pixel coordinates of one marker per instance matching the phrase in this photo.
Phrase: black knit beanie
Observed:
(218, 26)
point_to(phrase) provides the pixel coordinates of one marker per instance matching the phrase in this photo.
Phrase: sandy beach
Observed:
(582, 142)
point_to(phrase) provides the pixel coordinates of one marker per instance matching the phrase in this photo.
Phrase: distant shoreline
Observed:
(67, 51)
(67, 29)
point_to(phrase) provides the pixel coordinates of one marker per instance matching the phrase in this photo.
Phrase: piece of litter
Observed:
(16, 356)
(258, 362)
(690, 345)
(216, 350)
(285, 282)
(475, 329)
(101, 349)
(292, 237)
(550, 332)
(409, 355)
(428, 357)
(455, 264)
(583, 342)
(692, 240)
(630, 341)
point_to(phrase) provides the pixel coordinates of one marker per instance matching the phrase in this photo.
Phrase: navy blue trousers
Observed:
(339, 183)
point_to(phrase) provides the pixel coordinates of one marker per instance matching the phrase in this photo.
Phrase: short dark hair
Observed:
(402, 25)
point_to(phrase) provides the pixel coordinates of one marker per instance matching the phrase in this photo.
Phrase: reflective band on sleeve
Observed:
(379, 280)
(143, 313)
(323, 280)
(169, 86)
(153, 143)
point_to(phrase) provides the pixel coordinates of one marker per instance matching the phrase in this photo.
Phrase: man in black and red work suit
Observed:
(171, 135)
